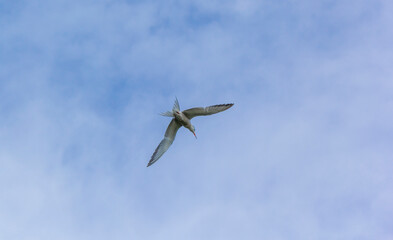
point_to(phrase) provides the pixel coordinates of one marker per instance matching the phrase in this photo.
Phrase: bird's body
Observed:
(183, 120)
(180, 119)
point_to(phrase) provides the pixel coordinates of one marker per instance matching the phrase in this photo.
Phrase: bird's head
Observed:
(192, 129)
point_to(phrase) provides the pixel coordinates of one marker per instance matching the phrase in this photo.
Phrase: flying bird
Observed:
(179, 119)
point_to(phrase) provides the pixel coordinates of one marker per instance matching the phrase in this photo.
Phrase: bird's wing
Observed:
(200, 111)
(165, 143)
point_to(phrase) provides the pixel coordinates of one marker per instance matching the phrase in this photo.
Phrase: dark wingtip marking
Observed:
(150, 163)
(228, 105)
(223, 105)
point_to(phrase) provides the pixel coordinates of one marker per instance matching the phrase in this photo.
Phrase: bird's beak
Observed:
(195, 135)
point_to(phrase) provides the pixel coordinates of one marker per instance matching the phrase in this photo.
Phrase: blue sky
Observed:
(305, 153)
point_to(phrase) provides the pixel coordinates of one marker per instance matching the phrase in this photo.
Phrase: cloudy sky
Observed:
(305, 153)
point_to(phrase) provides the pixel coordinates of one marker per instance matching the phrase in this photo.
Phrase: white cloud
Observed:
(303, 153)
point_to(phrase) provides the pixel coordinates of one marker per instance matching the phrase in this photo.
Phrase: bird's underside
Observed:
(180, 119)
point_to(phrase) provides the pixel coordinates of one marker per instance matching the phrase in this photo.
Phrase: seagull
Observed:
(179, 119)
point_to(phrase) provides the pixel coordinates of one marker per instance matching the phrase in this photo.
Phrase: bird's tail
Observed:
(176, 107)
(167, 114)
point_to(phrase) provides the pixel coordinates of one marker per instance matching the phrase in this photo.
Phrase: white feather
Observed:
(176, 106)
(167, 114)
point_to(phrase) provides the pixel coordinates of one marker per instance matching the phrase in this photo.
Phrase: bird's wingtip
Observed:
(150, 163)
